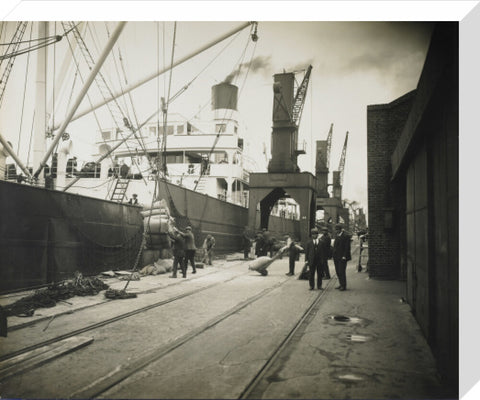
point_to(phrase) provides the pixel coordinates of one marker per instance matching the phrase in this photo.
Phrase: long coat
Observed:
(315, 255)
(341, 247)
(327, 240)
(178, 248)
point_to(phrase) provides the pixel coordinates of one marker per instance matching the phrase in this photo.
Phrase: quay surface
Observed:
(362, 343)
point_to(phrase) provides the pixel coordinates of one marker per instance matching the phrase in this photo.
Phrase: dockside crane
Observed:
(341, 165)
(338, 175)
(329, 147)
(287, 114)
(299, 101)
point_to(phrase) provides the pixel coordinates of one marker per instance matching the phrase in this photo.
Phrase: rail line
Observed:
(34, 322)
(100, 386)
(122, 372)
(253, 389)
(113, 319)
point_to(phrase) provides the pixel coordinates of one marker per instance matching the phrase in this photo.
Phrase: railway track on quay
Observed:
(230, 333)
(101, 323)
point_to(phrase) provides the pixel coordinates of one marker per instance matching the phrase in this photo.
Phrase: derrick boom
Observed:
(341, 165)
(299, 101)
(329, 146)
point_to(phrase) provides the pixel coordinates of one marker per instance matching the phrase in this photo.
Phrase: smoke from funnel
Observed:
(257, 64)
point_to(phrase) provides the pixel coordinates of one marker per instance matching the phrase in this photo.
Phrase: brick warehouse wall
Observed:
(385, 123)
(420, 183)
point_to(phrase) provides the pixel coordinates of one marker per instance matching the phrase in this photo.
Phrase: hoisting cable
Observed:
(165, 111)
(217, 137)
(24, 95)
(79, 74)
(123, 115)
(44, 42)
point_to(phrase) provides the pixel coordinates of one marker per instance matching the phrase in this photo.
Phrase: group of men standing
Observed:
(317, 252)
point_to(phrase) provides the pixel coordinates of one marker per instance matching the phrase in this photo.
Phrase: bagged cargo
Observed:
(260, 264)
(155, 211)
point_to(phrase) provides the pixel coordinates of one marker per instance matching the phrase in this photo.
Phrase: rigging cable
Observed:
(39, 39)
(79, 74)
(24, 95)
(138, 138)
(206, 66)
(160, 100)
(44, 42)
(146, 228)
(31, 138)
(54, 73)
(165, 110)
(122, 98)
(89, 59)
(217, 138)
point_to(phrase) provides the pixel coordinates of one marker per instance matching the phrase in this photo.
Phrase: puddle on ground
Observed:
(343, 318)
(351, 377)
(358, 338)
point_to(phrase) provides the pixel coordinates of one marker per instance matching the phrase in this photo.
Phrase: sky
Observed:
(355, 64)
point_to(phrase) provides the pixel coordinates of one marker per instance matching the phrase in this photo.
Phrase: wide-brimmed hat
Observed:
(314, 230)
(188, 228)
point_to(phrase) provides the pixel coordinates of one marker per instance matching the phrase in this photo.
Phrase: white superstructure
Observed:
(189, 145)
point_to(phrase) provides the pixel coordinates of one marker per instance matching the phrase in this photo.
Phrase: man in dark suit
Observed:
(327, 240)
(314, 256)
(341, 254)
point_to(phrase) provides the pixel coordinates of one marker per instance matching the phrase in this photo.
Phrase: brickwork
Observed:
(413, 171)
(384, 126)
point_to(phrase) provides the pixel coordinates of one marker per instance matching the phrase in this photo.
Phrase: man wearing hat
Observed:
(190, 248)
(314, 255)
(341, 254)
(134, 199)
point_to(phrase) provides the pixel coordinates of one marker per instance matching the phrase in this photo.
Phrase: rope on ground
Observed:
(55, 292)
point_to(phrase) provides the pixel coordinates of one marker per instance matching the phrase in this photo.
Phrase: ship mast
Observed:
(158, 73)
(81, 95)
(39, 141)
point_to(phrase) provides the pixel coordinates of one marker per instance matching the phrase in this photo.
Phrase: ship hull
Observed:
(225, 221)
(47, 235)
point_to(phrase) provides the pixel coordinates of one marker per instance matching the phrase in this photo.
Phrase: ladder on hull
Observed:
(119, 191)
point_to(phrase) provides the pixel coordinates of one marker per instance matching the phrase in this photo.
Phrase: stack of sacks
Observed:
(159, 223)
(158, 217)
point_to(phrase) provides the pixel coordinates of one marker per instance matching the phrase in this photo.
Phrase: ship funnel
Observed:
(224, 96)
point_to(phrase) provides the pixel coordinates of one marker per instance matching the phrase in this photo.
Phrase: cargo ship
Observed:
(53, 226)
